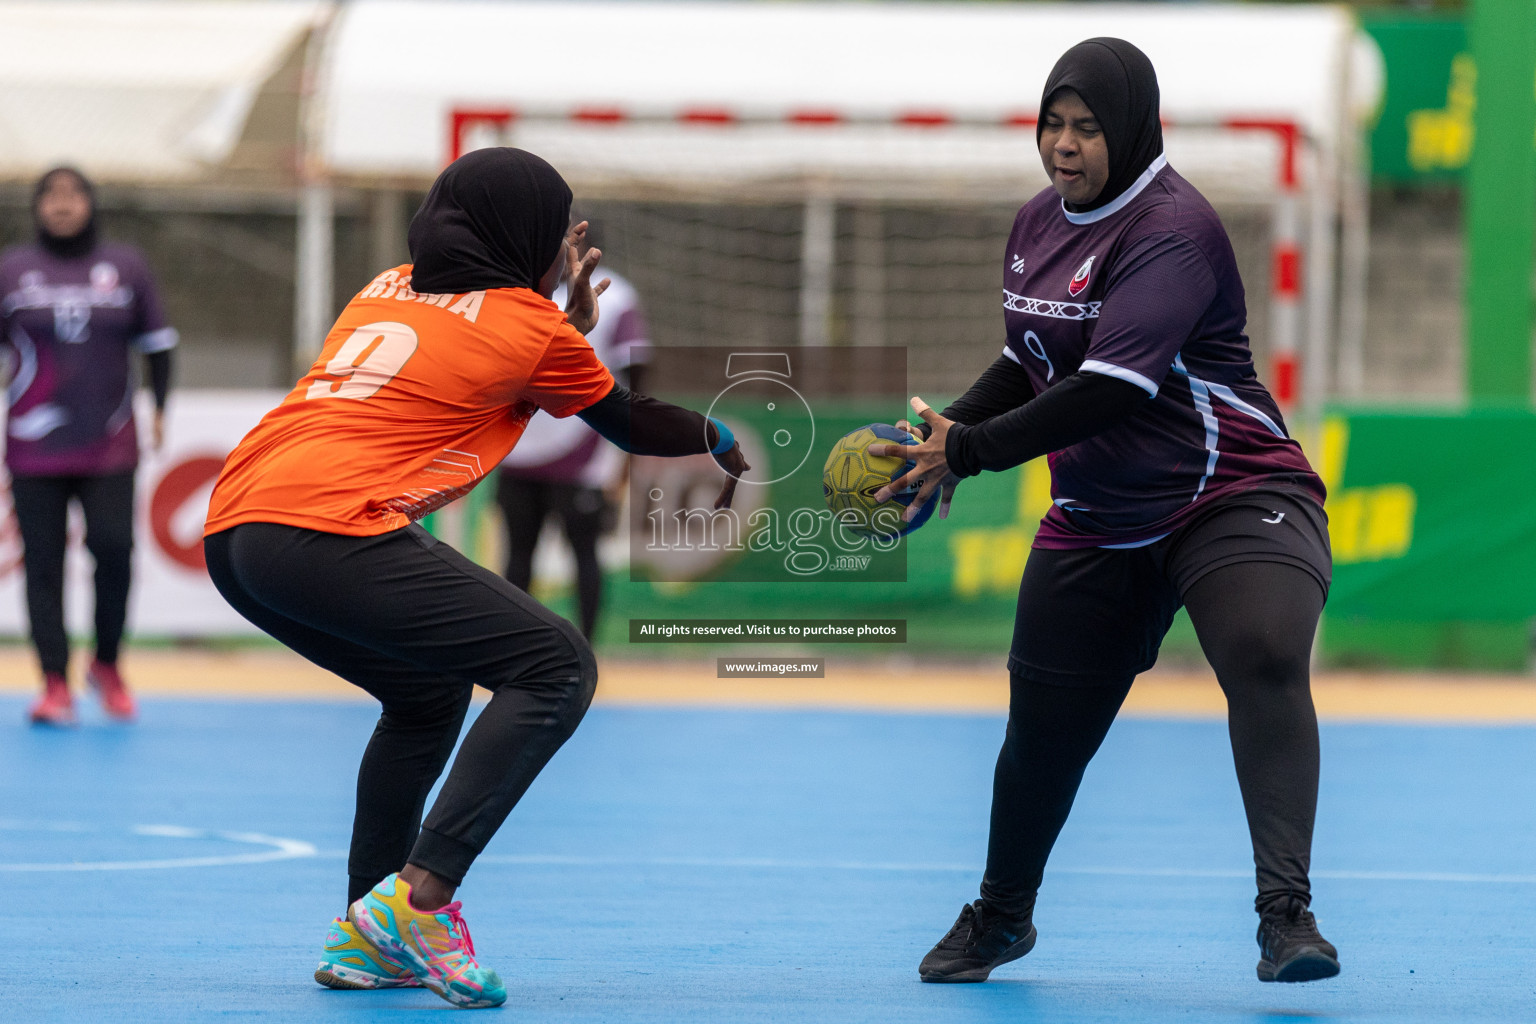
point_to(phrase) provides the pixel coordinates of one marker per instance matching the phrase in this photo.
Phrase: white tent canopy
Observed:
(136, 91)
(159, 90)
(397, 70)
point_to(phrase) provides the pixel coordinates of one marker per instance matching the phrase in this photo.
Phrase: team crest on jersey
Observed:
(103, 277)
(71, 322)
(1080, 279)
(1018, 264)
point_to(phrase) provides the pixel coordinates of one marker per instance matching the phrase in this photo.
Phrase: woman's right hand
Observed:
(735, 464)
(581, 301)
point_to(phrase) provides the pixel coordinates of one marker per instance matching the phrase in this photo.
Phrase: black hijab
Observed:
(1118, 83)
(494, 219)
(81, 242)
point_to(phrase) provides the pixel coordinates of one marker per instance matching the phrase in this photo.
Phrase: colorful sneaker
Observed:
(435, 945)
(109, 686)
(351, 961)
(55, 706)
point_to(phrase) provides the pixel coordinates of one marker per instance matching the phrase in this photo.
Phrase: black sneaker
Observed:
(980, 940)
(1291, 948)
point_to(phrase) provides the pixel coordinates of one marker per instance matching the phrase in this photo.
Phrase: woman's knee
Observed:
(565, 679)
(110, 545)
(1257, 655)
(584, 665)
(425, 710)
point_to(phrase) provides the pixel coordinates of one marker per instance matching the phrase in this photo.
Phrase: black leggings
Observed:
(524, 506)
(1255, 622)
(42, 515)
(417, 625)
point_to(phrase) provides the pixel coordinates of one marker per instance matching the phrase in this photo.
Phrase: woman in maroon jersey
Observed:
(1174, 483)
(73, 309)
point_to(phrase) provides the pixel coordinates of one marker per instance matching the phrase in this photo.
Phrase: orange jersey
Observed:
(413, 399)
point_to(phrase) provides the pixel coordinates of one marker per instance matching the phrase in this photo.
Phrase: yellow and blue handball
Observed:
(851, 477)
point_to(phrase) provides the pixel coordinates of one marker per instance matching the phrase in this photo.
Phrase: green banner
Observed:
(1432, 519)
(1424, 130)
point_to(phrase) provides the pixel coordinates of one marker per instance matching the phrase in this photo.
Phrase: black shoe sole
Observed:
(1308, 965)
(974, 974)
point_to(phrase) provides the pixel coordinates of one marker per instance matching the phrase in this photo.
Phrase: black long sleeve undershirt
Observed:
(643, 425)
(159, 364)
(1002, 386)
(1081, 406)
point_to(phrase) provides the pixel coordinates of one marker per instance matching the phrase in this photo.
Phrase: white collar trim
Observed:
(1122, 200)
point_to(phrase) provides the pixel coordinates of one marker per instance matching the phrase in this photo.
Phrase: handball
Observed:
(851, 477)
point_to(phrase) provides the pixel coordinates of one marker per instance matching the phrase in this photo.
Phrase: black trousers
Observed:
(525, 504)
(417, 625)
(42, 515)
(1090, 620)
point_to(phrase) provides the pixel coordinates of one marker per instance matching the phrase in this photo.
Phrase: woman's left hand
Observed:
(932, 469)
(581, 301)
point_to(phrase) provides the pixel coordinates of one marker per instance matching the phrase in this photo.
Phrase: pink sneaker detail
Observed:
(109, 686)
(448, 963)
(55, 706)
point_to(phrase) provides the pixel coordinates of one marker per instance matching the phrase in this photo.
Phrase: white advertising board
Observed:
(172, 595)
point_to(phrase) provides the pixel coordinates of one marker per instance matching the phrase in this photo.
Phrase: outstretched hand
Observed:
(581, 296)
(931, 470)
(734, 463)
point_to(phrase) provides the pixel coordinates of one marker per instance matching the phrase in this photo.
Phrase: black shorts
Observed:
(1095, 616)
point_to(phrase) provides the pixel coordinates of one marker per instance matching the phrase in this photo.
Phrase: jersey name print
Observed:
(413, 399)
(391, 285)
(1146, 290)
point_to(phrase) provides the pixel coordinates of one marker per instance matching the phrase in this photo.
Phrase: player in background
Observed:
(1174, 482)
(423, 385)
(73, 311)
(561, 466)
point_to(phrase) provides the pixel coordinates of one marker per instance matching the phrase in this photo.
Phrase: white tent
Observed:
(159, 90)
(136, 91)
(704, 93)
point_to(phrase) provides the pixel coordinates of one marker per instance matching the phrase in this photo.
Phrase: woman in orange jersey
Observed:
(425, 383)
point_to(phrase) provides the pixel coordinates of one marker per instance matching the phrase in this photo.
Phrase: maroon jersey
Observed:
(69, 326)
(1145, 289)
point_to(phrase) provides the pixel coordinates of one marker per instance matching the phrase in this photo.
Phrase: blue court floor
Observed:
(720, 866)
